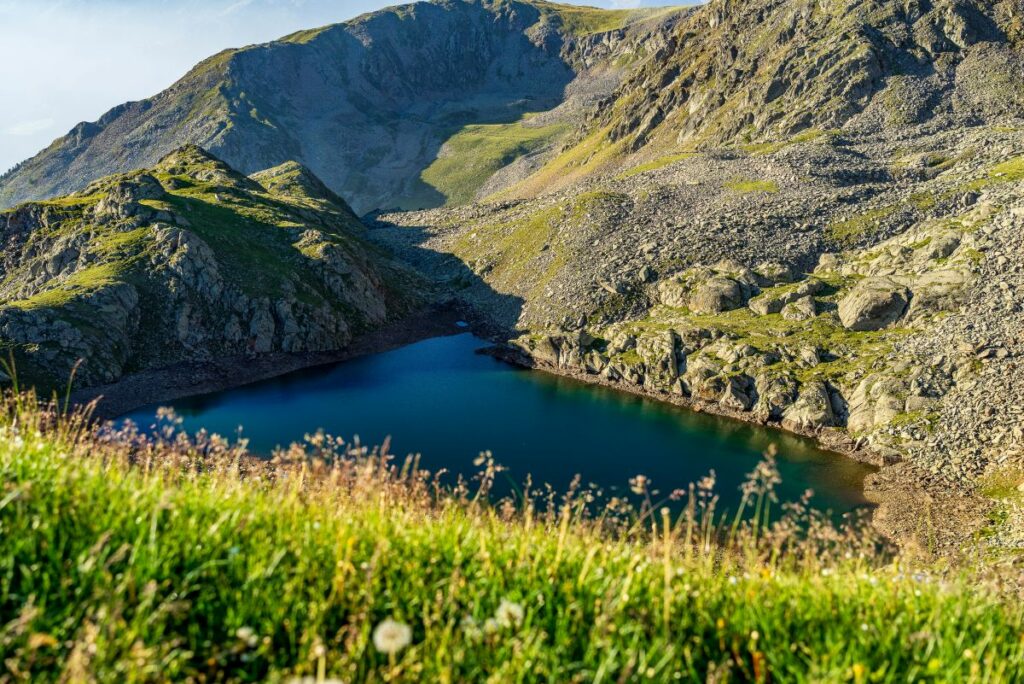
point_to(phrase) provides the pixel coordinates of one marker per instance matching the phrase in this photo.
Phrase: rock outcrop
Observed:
(873, 304)
(185, 262)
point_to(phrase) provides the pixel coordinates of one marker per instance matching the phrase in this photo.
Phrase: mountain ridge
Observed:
(389, 86)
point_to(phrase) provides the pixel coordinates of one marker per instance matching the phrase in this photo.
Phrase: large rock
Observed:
(660, 355)
(938, 291)
(812, 409)
(873, 304)
(802, 309)
(673, 293)
(876, 401)
(774, 302)
(719, 294)
(775, 394)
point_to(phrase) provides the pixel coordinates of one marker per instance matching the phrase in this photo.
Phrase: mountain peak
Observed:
(296, 181)
(197, 163)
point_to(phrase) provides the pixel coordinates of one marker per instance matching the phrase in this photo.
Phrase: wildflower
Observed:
(858, 672)
(471, 628)
(248, 636)
(968, 654)
(864, 627)
(755, 635)
(509, 614)
(638, 484)
(391, 636)
(490, 626)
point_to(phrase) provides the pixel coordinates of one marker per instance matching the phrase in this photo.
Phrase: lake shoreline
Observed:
(890, 492)
(828, 439)
(189, 379)
(893, 492)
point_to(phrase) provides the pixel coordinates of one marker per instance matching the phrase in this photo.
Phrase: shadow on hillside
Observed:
(497, 312)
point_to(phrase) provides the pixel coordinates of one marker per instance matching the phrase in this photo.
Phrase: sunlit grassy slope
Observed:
(477, 152)
(183, 560)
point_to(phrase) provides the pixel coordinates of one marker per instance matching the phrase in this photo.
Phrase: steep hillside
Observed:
(806, 214)
(737, 73)
(367, 105)
(187, 261)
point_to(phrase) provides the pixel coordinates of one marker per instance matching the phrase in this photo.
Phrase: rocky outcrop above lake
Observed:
(187, 261)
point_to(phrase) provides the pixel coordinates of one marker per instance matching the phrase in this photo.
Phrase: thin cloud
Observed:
(31, 127)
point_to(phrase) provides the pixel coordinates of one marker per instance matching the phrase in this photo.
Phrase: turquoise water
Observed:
(440, 399)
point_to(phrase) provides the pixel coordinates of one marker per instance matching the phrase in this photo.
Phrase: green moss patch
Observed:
(659, 163)
(861, 225)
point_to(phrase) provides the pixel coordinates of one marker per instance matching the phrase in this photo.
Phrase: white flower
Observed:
(248, 636)
(509, 614)
(490, 626)
(391, 636)
(470, 627)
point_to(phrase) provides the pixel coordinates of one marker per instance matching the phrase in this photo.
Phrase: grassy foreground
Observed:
(181, 559)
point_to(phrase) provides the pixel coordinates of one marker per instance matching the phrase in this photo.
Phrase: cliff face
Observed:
(187, 261)
(366, 105)
(766, 70)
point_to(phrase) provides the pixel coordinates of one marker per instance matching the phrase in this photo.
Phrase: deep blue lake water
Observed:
(440, 399)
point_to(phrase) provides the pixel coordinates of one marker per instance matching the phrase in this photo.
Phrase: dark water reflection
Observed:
(440, 399)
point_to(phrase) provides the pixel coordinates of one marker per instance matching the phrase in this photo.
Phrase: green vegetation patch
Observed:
(304, 36)
(809, 135)
(83, 282)
(477, 152)
(582, 159)
(587, 21)
(861, 225)
(1011, 171)
(659, 163)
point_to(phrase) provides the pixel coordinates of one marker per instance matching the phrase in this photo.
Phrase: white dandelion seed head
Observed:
(391, 636)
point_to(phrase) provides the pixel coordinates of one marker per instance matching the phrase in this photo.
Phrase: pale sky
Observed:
(65, 61)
